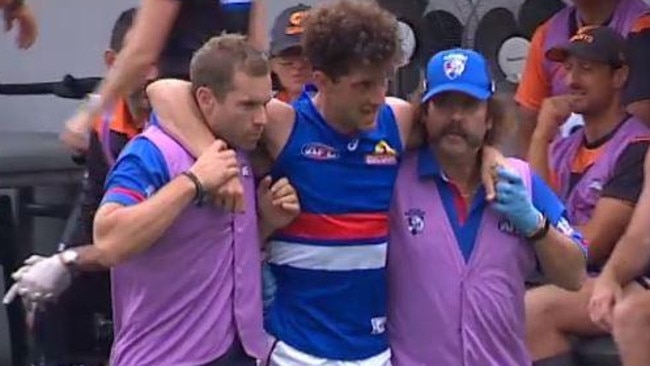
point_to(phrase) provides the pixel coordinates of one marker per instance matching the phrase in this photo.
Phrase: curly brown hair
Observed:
(345, 34)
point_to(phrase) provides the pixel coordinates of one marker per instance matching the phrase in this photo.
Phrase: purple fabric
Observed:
(183, 301)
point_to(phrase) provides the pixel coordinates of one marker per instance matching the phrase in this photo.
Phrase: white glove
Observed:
(40, 279)
(15, 289)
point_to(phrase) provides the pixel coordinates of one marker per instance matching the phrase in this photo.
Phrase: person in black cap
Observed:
(172, 28)
(542, 79)
(290, 68)
(596, 44)
(596, 170)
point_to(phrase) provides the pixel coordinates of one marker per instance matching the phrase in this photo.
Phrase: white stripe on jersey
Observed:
(328, 258)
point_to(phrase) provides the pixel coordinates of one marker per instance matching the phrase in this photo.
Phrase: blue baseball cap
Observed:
(460, 70)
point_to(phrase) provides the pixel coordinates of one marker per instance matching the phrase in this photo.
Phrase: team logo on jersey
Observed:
(415, 221)
(383, 154)
(383, 147)
(245, 171)
(454, 65)
(318, 151)
(507, 227)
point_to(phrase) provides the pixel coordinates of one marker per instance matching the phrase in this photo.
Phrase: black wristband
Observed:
(199, 195)
(542, 232)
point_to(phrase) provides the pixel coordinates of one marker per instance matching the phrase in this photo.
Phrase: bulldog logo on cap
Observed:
(454, 65)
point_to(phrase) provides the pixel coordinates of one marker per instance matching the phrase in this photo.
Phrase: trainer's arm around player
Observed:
(164, 93)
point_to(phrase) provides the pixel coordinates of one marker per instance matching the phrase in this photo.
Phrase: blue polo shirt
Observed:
(138, 173)
(465, 219)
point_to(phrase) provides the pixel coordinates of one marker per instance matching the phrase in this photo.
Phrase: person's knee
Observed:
(550, 307)
(541, 306)
(632, 312)
(541, 303)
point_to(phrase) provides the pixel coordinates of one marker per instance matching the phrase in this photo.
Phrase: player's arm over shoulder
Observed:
(280, 120)
(404, 115)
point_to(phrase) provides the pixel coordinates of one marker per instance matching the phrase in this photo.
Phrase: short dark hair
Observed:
(215, 63)
(345, 34)
(120, 28)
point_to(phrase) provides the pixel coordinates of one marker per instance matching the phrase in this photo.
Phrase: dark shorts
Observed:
(644, 282)
(235, 356)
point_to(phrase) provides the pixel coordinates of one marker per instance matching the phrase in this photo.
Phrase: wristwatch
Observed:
(543, 230)
(69, 257)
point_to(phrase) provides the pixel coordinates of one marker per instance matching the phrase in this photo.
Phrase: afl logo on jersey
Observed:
(318, 151)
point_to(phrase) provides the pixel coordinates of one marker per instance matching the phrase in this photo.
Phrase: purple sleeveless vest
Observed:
(443, 311)
(626, 14)
(185, 300)
(582, 199)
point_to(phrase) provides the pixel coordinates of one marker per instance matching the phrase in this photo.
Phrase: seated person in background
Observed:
(290, 67)
(616, 304)
(596, 171)
(542, 79)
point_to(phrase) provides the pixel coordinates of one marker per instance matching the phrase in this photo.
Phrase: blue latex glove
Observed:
(513, 201)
